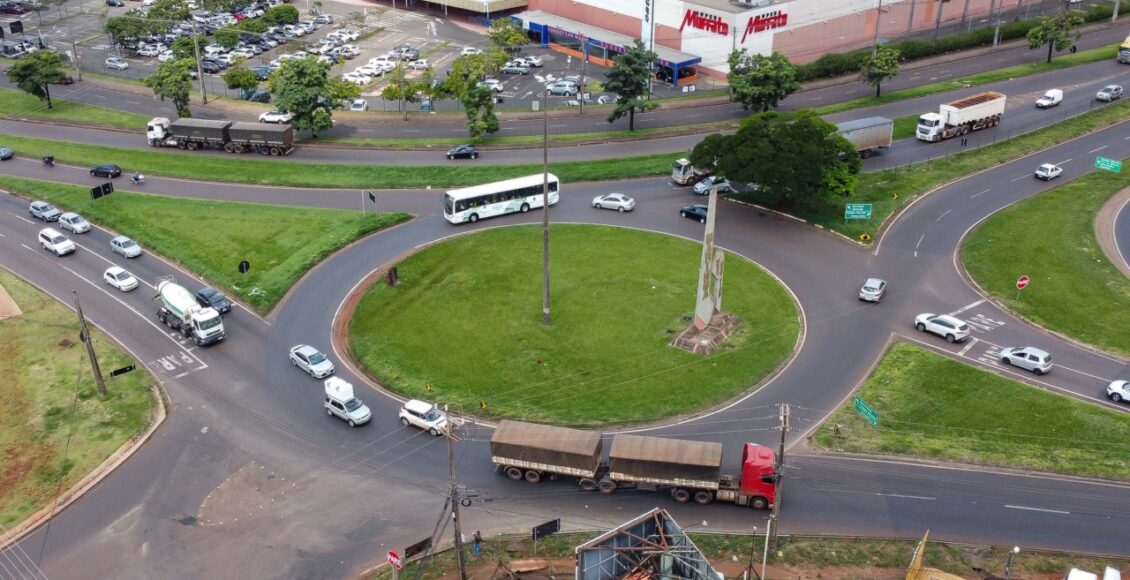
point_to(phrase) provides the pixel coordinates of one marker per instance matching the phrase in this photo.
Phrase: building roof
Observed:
(736, 7)
(667, 56)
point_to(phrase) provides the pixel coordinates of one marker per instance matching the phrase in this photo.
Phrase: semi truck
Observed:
(683, 173)
(1124, 51)
(868, 135)
(181, 312)
(231, 136)
(961, 116)
(689, 470)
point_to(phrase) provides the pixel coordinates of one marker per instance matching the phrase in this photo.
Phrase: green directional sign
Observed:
(857, 211)
(868, 413)
(1108, 164)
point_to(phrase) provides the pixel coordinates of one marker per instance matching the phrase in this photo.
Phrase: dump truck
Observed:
(683, 173)
(961, 116)
(1124, 51)
(689, 470)
(868, 135)
(233, 137)
(181, 312)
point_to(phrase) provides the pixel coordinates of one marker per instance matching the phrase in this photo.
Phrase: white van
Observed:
(341, 402)
(52, 240)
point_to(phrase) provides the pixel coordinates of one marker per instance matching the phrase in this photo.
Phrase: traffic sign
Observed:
(394, 559)
(868, 413)
(1022, 282)
(857, 211)
(1108, 164)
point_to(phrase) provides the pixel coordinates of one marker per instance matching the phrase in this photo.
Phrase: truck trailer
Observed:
(868, 135)
(1124, 51)
(233, 137)
(961, 116)
(181, 312)
(689, 470)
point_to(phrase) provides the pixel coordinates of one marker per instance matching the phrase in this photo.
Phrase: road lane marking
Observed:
(1098, 149)
(982, 193)
(942, 216)
(906, 496)
(967, 347)
(1025, 176)
(967, 307)
(919, 241)
(1036, 509)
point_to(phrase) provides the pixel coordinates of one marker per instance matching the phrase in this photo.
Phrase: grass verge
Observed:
(281, 242)
(619, 297)
(937, 408)
(51, 404)
(20, 105)
(1051, 238)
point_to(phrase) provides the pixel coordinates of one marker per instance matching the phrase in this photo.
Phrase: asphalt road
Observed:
(1122, 234)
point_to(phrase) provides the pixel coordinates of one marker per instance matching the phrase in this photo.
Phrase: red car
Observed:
(12, 9)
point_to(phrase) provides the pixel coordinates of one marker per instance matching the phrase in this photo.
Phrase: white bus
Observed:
(520, 194)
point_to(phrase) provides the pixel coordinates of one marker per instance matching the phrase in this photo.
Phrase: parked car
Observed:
(873, 290)
(311, 360)
(106, 170)
(561, 88)
(420, 64)
(125, 246)
(467, 151)
(6, 154)
(350, 50)
(263, 71)
(408, 54)
(359, 105)
(210, 297)
(259, 96)
(1028, 358)
(115, 63)
(953, 329)
(494, 84)
(357, 78)
(74, 223)
(119, 278)
(12, 8)
(349, 34)
(720, 184)
(148, 50)
(166, 56)
(44, 211)
(1109, 93)
(532, 61)
(694, 212)
(514, 69)
(275, 117)
(470, 51)
(1118, 391)
(324, 19)
(616, 201)
(1048, 171)
(423, 415)
(115, 3)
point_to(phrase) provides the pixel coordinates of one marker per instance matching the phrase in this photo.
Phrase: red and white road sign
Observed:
(394, 559)
(1022, 282)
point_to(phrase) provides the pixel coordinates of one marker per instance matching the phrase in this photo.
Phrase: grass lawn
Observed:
(49, 396)
(20, 105)
(466, 318)
(281, 242)
(934, 407)
(1058, 250)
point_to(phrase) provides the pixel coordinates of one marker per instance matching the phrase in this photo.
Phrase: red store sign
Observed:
(705, 21)
(763, 22)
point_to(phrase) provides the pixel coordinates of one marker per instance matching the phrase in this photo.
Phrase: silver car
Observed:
(311, 360)
(1028, 358)
(44, 211)
(125, 246)
(873, 290)
(616, 201)
(74, 223)
(1109, 93)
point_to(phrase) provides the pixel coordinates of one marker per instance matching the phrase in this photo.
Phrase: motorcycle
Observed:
(49, 161)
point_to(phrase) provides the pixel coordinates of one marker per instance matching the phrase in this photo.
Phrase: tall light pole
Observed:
(545, 208)
(1011, 556)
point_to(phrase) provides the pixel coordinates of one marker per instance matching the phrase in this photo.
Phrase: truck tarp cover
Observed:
(261, 133)
(546, 444)
(199, 128)
(849, 126)
(660, 458)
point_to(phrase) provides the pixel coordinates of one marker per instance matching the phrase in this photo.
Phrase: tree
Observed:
(173, 81)
(1056, 32)
(183, 47)
(300, 88)
(253, 25)
(396, 80)
(34, 74)
(628, 79)
(226, 37)
(761, 82)
(126, 30)
(478, 100)
(341, 91)
(507, 37)
(708, 151)
(168, 10)
(281, 14)
(884, 64)
(241, 77)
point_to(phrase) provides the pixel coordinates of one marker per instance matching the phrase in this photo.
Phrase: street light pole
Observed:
(1011, 556)
(545, 208)
(199, 68)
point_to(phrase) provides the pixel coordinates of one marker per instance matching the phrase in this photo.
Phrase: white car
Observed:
(873, 290)
(350, 50)
(532, 61)
(719, 184)
(166, 56)
(371, 70)
(378, 60)
(357, 78)
(1118, 391)
(421, 64)
(1029, 358)
(148, 50)
(616, 201)
(292, 30)
(953, 329)
(1048, 172)
(359, 105)
(311, 360)
(214, 49)
(115, 63)
(242, 53)
(125, 246)
(74, 223)
(275, 117)
(119, 278)
(423, 415)
(349, 34)
(494, 84)
(470, 51)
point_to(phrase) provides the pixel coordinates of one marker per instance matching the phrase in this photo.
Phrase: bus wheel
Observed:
(533, 476)
(525, 207)
(514, 473)
(473, 218)
(703, 497)
(759, 503)
(680, 495)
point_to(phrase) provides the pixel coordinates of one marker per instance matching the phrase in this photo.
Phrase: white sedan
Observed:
(470, 51)
(421, 64)
(1048, 172)
(616, 201)
(148, 50)
(166, 56)
(311, 360)
(275, 117)
(119, 278)
(357, 78)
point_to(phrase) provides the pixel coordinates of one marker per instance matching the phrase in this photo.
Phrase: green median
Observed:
(934, 407)
(281, 243)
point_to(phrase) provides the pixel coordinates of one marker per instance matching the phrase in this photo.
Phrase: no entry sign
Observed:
(394, 559)
(1022, 282)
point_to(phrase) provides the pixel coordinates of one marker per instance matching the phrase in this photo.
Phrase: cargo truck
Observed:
(868, 135)
(683, 173)
(690, 470)
(181, 312)
(962, 116)
(1124, 51)
(233, 137)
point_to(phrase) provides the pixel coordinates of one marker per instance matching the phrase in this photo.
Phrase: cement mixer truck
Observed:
(181, 312)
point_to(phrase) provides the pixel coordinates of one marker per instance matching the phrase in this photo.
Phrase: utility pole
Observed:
(1113, 15)
(545, 209)
(74, 55)
(403, 105)
(584, 61)
(878, 21)
(910, 20)
(455, 503)
(775, 517)
(84, 333)
(199, 68)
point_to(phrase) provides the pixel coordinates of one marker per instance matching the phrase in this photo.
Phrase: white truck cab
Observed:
(341, 402)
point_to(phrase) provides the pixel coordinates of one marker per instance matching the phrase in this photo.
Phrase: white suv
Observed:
(52, 240)
(953, 329)
(423, 415)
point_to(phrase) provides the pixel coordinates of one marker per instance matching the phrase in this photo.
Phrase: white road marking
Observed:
(1036, 509)
(1025, 176)
(982, 193)
(919, 241)
(906, 496)
(964, 308)
(972, 342)
(942, 216)
(1098, 149)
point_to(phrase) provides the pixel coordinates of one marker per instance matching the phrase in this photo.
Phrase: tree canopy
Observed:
(761, 82)
(629, 79)
(300, 88)
(172, 80)
(478, 101)
(884, 64)
(1057, 32)
(34, 74)
(240, 77)
(505, 36)
(281, 14)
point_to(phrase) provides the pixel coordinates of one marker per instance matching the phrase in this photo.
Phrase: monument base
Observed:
(706, 340)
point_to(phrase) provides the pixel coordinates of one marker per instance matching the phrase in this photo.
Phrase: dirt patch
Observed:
(8, 307)
(251, 485)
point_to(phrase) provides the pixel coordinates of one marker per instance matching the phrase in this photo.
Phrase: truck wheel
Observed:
(264, 151)
(514, 473)
(759, 503)
(229, 147)
(533, 476)
(191, 145)
(587, 484)
(180, 145)
(606, 485)
(275, 151)
(703, 497)
(865, 154)
(680, 495)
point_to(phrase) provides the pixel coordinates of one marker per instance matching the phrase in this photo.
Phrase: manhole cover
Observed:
(187, 521)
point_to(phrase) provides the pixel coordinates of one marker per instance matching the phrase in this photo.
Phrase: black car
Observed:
(211, 66)
(694, 212)
(208, 296)
(115, 3)
(263, 71)
(108, 170)
(259, 96)
(469, 151)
